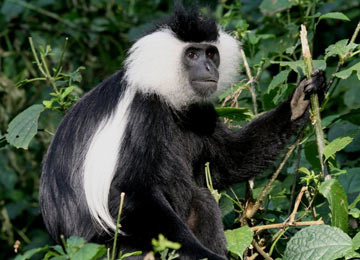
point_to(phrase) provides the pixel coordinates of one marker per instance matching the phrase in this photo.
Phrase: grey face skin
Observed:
(201, 62)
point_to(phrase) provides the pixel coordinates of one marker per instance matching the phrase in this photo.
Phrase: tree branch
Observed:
(287, 224)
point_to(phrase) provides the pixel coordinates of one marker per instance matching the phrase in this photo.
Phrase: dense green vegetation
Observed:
(51, 52)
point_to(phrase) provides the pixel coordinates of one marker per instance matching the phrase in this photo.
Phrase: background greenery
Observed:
(83, 42)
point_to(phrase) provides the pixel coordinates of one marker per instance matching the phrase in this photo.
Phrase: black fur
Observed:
(66, 154)
(161, 164)
(189, 25)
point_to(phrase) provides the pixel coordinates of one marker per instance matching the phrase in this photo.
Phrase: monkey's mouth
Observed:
(204, 81)
(204, 87)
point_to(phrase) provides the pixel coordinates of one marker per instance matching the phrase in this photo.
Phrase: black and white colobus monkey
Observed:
(148, 130)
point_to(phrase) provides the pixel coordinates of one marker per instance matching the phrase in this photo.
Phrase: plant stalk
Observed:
(122, 197)
(315, 110)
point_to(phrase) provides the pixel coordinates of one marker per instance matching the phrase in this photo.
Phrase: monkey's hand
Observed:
(300, 99)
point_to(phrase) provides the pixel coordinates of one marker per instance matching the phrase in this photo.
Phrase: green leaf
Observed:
(30, 253)
(130, 254)
(90, 251)
(356, 241)
(334, 192)
(318, 242)
(334, 15)
(336, 145)
(75, 242)
(24, 127)
(238, 240)
(352, 255)
(236, 114)
(351, 183)
(270, 7)
(341, 49)
(344, 74)
(299, 66)
(354, 212)
(278, 80)
(67, 91)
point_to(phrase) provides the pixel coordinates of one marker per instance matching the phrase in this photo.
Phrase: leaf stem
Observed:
(355, 34)
(58, 69)
(36, 57)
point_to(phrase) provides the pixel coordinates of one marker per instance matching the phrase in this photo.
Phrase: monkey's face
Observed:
(201, 63)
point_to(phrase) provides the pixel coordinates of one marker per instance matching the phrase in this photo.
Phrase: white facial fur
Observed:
(153, 66)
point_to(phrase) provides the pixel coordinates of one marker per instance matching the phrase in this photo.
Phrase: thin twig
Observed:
(308, 197)
(251, 81)
(36, 57)
(296, 205)
(287, 224)
(122, 197)
(261, 251)
(251, 212)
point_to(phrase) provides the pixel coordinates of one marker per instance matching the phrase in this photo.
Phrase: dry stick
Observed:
(313, 210)
(296, 205)
(287, 224)
(253, 256)
(315, 110)
(250, 213)
(261, 251)
(251, 80)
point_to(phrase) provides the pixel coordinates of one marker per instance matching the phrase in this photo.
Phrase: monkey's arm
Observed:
(253, 148)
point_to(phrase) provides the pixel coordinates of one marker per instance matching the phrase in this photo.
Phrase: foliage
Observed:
(51, 52)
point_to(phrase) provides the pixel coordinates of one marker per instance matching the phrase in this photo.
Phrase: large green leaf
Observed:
(24, 127)
(336, 145)
(238, 240)
(334, 192)
(318, 242)
(344, 74)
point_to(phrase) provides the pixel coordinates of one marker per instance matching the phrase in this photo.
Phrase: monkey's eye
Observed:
(191, 55)
(211, 52)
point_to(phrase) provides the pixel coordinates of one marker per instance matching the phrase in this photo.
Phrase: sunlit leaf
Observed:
(238, 240)
(335, 15)
(318, 242)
